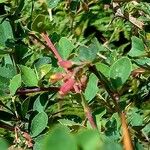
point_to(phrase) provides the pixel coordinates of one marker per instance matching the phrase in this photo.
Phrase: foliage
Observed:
(74, 74)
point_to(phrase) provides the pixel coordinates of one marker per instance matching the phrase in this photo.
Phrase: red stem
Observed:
(88, 112)
(90, 117)
(51, 46)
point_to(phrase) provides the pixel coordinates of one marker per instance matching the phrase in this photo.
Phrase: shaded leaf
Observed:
(6, 116)
(44, 69)
(25, 106)
(38, 23)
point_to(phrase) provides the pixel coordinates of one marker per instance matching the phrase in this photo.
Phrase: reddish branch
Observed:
(88, 112)
(51, 46)
(70, 81)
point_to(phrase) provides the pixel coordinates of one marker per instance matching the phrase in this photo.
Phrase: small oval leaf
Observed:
(91, 88)
(120, 72)
(65, 47)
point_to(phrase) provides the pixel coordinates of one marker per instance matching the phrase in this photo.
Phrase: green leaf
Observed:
(42, 61)
(89, 140)
(143, 62)
(135, 118)
(65, 47)
(88, 53)
(25, 106)
(100, 47)
(39, 142)
(67, 122)
(52, 3)
(5, 32)
(38, 23)
(15, 83)
(111, 143)
(92, 88)
(138, 145)
(7, 71)
(146, 130)
(137, 47)
(104, 69)
(28, 76)
(38, 124)
(120, 72)
(44, 69)
(4, 86)
(39, 104)
(60, 139)
(3, 144)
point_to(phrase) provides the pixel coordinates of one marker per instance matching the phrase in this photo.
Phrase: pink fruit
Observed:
(67, 86)
(65, 64)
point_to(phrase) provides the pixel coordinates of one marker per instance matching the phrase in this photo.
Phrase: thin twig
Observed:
(88, 112)
(51, 46)
(35, 90)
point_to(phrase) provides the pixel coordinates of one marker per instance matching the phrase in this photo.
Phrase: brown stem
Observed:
(116, 98)
(34, 90)
(127, 142)
(113, 94)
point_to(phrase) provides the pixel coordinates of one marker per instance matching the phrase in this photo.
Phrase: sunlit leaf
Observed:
(104, 69)
(60, 139)
(15, 83)
(137, 47)
(88, 53)
(3, 144)
(65, 47)
(120, 72)
(92, 88)
(28, 76)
